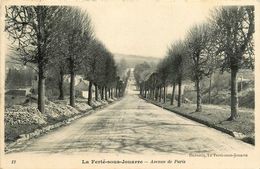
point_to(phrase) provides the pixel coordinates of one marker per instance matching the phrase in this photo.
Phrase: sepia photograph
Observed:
(129, 84)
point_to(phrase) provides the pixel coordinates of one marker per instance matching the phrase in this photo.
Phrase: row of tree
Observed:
(60, 40)
(224, 43)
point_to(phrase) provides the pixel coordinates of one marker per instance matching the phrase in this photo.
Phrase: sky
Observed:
(146, 29)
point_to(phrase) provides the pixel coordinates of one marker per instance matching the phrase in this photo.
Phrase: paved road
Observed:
(135, 126)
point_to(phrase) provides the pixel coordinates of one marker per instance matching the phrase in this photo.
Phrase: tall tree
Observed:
(110, 77)
(163, 73)
(172, 69)
(200, 48)
(234, 28)
(140, 72)
(30, 27)
(122, 67)
(79, 33)
(59, 52)
(90, 66)
(178, 59)
(99, 68)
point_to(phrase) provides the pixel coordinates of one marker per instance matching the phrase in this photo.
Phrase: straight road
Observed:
(134, 126)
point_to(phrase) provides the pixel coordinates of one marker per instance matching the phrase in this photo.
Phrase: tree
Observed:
(30, 28)
(234, 29)
(153, 83)
(122, 67)
(144, 76)
(90, 66)
(180, 64)
(140, 74)
(59, 52)
(163, 74)
(99, 69)
(110, 77)
(78, 34)
(172, 69)
(202, 61)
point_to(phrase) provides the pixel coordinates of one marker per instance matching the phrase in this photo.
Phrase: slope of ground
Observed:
(220, 89)
(24, 119)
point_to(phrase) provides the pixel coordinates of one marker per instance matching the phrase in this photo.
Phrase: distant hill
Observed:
(133, 60)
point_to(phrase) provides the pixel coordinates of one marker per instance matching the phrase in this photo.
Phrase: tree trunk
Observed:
(113, 92)
(210, 81)
(109, 93)
(179, 93)
(241, 83)
(199, 108)
(164, 93)
(41, 44)
(72, 88)
(156, 93)
(96, 92)
(61, 89)
(102, 93)
(140, 88)
(160, 94)
(105, 93)
(173, 93)
(90, 93)
(145, 91)
(234, 98)
(41, 90)
(153, 93)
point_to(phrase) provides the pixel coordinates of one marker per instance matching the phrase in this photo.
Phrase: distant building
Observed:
(81, 88)
(78, 79)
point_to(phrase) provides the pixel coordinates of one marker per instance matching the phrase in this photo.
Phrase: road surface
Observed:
(134, 126)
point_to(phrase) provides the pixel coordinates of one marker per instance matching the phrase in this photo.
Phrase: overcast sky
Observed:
(144, 28)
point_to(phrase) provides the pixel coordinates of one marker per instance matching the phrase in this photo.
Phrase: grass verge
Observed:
(216, 116)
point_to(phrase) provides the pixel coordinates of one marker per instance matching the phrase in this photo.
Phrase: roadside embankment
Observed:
(23, 122)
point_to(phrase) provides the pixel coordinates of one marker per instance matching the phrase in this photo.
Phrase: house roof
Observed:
(17, 92)
(82, 85)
